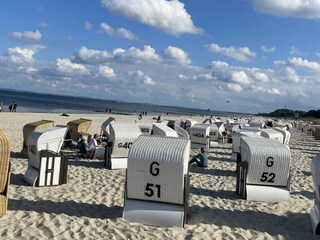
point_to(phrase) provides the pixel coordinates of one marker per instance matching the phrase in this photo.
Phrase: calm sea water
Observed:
(37, 102)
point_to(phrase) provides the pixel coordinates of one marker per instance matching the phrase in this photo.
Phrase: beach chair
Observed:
(4, 172)
(30, 127)
(105, 128)
(222, 137)
(161, 129)
(264, 172)
(190, 123)
(157, 181)
(315, 210)
(317, 132)
(286, 135)
(78, 126)
(145, 127)
(230, 129)
(182, 133)
(43, 148)
(272, 134)
(200, 136)
(121, 138)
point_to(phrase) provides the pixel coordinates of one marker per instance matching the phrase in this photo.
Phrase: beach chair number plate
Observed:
(125, 145)
(150, 187)
(268, 177)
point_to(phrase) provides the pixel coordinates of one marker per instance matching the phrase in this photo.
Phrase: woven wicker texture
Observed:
(162, 129)
(170, 156)
(122, 136)
(78, 126)
(30, 127)
(261, 152)
(199, 133)
(4, 160)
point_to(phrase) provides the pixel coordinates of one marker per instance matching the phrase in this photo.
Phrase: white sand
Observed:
(90, 205)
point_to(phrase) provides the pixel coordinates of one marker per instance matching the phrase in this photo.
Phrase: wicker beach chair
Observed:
(45, 160)
(30, 127)
(200, 136)
(315, 210)
(264, 172)
(4, 172)
(145, 127)
(121, 138)
(317, 132)
(105, 128)
(157, 181)
(78, 126)
(272, 134)
(161, 129)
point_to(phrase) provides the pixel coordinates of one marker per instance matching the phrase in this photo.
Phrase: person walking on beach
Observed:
(201, 159)
(14, 107)
(10, 108)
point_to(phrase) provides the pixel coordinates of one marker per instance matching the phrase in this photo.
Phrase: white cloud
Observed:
(140, 78)
(87, 26)
(120, 32)
(182, 77)
(203, 76)
(309, 9)
(240, 77)
(303, 63)
(92, 56)
(27, 36)
(43, 24)
(258, 89)
(260, 76)
(294, 51)
(243, 54)
(174, 54)
(268, 50)
(106, 71)
(169, 16)
(21, 55)
(66, 66)
(219, 64)
(234, 87)
(291, 74)
(135, 55)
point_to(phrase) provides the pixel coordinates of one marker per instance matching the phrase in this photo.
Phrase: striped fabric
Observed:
(268, 161)
(77, 126)
(199, 133)
(236, 138)
(4, 160)
(4, 172)
(122, 136)
(156, 169)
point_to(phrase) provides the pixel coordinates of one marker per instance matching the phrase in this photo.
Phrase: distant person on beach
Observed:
(1, 106)
(140, 116)
(14, 107)
(159, 118)
(201, 159)
(10, 108)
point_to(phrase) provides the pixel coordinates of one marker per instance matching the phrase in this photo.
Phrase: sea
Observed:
(51, 103)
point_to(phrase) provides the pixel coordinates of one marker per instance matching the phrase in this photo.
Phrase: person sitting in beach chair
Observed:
(201, 159)
(90, 148)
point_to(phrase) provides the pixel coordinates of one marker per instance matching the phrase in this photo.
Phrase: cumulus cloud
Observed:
(243, 54)
(141, 78)
(309, 9)
(169, 16)
(266, 90)
(240, 77)
(268, 50)
(135, 55)
(27, 36)
(106, 71)
(120, 32)
(21, 55)
(234, 87)
(294, 51)
(260, 76)
(66, 66)
(91, 56)
(174, 54)
(87, 26)
(303, 63)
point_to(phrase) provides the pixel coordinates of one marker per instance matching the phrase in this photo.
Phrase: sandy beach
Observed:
(90, 205)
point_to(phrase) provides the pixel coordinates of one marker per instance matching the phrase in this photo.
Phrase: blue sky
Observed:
(243, 56)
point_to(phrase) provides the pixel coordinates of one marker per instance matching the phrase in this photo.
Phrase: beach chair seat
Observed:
(4, 172)
(121, 138)
(315, 210)
(52, 170)
(157, 181)
(30, 127)
(264, 170)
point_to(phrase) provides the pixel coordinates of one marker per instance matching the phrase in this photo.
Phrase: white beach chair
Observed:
(230, 129)
(190, 123)
(286, 135)
(272, 134)
(222, 137)
(315, 210)
(161, 129)
(145, 127)
(121, 138)
(157, 181)
(105, 128)
(200, 136)
(264, 172)
(45, 162)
